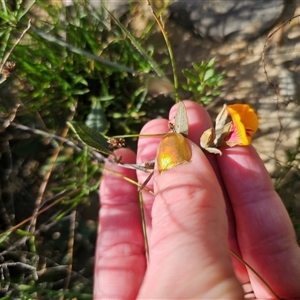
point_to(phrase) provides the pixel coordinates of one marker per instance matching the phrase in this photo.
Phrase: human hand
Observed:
(200, 211)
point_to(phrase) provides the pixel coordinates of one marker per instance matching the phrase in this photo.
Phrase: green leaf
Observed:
(4, 236)
(208, 74)
(22, 13)
(188, 74)
(211, 63)
(106, 98)
(96, 119)
(64, 44)
(137, 45)
(90, 137)
(199, 68)
(23, 232)
(80, 92)
(185, 87)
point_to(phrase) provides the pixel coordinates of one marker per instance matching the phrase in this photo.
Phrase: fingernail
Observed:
(173, 150)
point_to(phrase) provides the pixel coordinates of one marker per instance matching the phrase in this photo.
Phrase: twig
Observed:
(146, 167)
(10, 117)
(68, 194)
(46, 179)
(265, 46)
(43, 227)
(70, 249)
(22, 265)
(14, 46)
(170, 50)
(144, 227)
(266, 73)
(44, 134)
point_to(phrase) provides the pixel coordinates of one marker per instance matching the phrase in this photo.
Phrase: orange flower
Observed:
(244, 125)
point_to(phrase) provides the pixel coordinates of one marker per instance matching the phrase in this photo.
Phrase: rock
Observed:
(119, 8)
(233, 19)
(288, 83)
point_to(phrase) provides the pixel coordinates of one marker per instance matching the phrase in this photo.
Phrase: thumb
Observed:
(189, 252)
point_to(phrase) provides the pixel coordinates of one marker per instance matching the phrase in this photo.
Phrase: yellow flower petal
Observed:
(245, 124)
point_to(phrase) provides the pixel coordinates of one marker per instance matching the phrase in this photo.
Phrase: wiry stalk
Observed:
(170, 50)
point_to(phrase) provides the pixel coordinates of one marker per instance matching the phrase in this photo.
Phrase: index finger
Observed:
(264, 230)
(199, 121)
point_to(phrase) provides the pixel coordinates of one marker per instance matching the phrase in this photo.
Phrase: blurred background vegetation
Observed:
(73, 64)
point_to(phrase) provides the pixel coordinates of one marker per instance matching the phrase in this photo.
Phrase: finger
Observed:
(265, 232)
(188, 243)
(120, 255)
(147, 149)
(199, 121)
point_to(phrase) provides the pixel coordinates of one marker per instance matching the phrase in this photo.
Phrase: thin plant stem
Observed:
(68, 194)
(14, 46)
(170, 50)
(142, 209)
(256, 273)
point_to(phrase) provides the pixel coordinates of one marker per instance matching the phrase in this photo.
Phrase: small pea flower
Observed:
(235, 125)
(244, 125)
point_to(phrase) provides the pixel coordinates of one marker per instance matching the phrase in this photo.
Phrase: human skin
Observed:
(199, 212)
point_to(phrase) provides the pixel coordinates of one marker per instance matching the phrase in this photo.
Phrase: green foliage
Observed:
(90, 137)
(76, 66)
(62, 69)
(203, 83)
